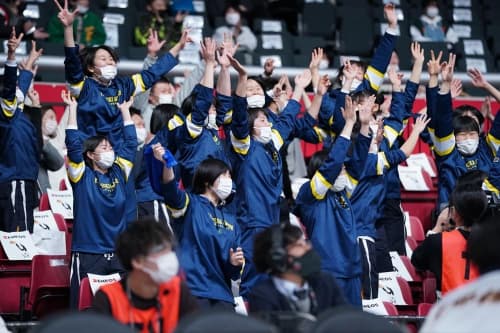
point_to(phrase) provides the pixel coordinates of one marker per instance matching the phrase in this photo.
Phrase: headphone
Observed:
(278, 256)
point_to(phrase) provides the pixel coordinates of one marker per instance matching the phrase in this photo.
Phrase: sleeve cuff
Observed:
(128, 122)
(71, 127)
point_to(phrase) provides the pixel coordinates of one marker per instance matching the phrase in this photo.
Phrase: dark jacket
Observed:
(326, 294)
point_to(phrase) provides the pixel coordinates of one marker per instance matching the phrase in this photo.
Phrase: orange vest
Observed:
(169, 300)
(456, 270)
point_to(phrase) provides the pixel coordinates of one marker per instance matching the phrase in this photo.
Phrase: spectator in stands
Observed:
(152, 293)
(11, 15)
(443, 252)
(51, 158)
(87, 26)
(156, 18)
(242, 34)
(210, 251)
(93, 80)
(431, 27)
(458, 146)
(324, 198)
(19, 152)
(255, 149)
(163, 91)
(99, 179)
(474, 306)
(199, 138)
(294, 280)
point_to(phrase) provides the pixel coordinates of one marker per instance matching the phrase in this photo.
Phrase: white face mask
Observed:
(468, 147)
(50, 127)
(432, 11)
(256, 101)
(323, 64)
(82, 9)
(165, 99)
(340, 183)
(266, 134)
(232, 18)
(141, 135)
(107, 159)
(224, 188)
(108, 72)
(355, 83)
(168, 267)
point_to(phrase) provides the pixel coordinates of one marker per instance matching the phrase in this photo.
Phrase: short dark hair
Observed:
(465, 124)
(206, 173)
(162, 113)
(360, 63)
(89, 145)
(464, 108)
(140, 238)
(253, 114)
(135, 111)
(263, 244)
(469, 202)
(161, 80)
(87, 56)
(188, 103)
(483, 246)
(316, 162)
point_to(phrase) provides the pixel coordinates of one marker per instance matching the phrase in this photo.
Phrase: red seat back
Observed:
(391, 309)
(424, 308)
(412, 243)
(85, 300)
(49, 287)
(44, 202)
(417, 231)
(62, 185)
(405, 290)
(410, 268)
(14, 276)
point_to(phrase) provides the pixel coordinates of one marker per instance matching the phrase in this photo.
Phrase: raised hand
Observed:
(417, 52)
(395, 77)
(208, 47)
(486, 108)
(125, 106)
(236, 258)
(303, 79)
(269, 66)
(237, 66)
(349, 72)
(447, 68)
(29, 63)
(154, 44)
(227, 47)
(68, 99)
(434, 64)
(316, 56)
(456, 88)
(478, 79)
(228, 44)
(390, 15)
(348, 111)
(421, 123)
(65, 16)
(278, 87)
(324, 84)
(34, 97)
(13, 42)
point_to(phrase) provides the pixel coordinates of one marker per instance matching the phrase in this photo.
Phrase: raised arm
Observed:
(419, 126)
(240, 133)
(67, 18)
(8, 102)
(126, 155)
(76, 165)
(479, 81)
(316, 56)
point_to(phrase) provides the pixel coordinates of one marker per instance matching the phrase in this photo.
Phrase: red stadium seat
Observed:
(417, 230)
(49, 285)
(14, 276)
(62, 185)
(85, 300)
(391, 309)
(410, 268)
(424, 308)
(412, 243)
(44, 202)
(405, 290)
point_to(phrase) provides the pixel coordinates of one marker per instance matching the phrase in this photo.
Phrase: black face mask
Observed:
(307, 265)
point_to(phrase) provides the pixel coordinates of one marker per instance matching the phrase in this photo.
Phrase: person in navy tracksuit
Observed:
(99, 180)
(199, 138)
(19, 151)
(210, 251)
(257, 164)
(325, 210)
(458, 146)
